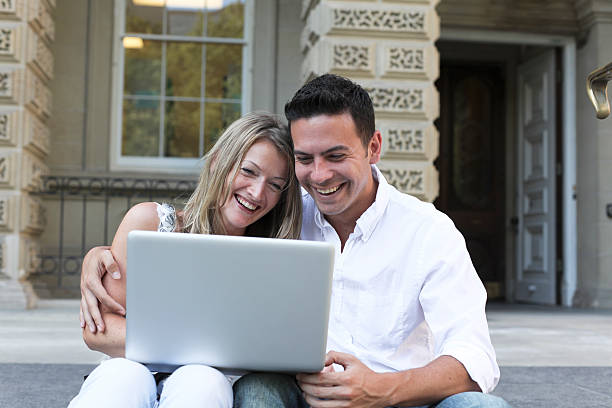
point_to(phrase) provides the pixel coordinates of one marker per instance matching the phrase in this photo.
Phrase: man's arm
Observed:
(359, 386)
(97, 262)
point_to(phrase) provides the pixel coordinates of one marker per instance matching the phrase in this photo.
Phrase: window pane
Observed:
(183, 69)
(182, 129)
(223, 71)
(217, 117)
(225, 18)
(140, 128)
(186, 21)
(142, 70)
(144, 16)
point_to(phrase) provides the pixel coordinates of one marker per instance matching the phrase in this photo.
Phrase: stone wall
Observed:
(26, 67)
(388, 48)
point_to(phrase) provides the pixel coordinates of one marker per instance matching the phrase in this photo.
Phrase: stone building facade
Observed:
(422, 61)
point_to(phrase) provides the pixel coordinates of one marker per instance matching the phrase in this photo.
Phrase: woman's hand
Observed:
(97, 262)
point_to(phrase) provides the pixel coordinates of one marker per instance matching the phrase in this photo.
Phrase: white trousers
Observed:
(121, 383)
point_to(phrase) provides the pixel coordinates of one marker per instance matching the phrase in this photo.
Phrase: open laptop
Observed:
(235, 303)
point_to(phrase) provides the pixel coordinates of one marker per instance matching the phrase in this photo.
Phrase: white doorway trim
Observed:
(568, 44)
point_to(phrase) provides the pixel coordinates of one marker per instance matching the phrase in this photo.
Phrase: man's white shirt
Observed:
(404, 289)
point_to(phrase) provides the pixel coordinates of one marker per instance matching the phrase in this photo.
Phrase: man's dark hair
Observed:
(331, 94)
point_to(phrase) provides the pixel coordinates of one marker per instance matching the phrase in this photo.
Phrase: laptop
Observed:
(234, 303)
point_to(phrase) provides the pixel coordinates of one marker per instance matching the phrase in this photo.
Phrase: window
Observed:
(180, 79)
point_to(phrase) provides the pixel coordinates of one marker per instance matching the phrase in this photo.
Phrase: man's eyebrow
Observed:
(330, 150)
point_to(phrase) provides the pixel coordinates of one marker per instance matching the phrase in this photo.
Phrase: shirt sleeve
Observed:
(453, 301)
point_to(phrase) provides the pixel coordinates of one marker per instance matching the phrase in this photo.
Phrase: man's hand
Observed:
(356, 386)
(97, 262)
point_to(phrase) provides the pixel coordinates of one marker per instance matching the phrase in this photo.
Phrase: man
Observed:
(407, 324)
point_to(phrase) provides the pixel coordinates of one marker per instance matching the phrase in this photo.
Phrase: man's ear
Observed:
(375, 147)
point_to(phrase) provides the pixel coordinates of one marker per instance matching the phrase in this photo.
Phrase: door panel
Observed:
(536, 272)
(471, 163)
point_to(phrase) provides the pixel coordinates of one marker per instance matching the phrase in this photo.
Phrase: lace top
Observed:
(167, 217)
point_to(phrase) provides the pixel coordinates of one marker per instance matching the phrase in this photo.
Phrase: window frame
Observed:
(118, 162)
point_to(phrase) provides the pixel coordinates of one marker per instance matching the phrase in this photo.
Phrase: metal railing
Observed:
(83, 212)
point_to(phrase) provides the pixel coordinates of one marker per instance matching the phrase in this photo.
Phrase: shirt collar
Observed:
(369, 219)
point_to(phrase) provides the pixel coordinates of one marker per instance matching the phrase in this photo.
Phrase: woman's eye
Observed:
(246, 171)
(276, 187)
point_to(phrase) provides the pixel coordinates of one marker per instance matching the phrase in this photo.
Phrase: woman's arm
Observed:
(144, 217)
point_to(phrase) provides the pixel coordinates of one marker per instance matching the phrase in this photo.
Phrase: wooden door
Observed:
(472, 163)
(536, 266)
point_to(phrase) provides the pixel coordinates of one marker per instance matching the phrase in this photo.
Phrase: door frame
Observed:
(568, 115)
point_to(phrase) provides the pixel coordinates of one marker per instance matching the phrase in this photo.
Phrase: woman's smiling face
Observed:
(258, 186)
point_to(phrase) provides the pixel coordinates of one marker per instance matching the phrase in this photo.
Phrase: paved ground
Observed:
(550, 357)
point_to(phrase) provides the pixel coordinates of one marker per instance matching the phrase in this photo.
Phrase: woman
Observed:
(247, 187)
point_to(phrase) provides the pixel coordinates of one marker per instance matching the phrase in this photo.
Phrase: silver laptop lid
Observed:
(229, 302)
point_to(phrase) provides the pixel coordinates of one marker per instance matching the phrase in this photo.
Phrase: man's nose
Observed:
(320, 172)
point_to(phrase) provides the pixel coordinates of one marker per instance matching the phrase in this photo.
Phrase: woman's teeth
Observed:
(329, 190)
(246, 203)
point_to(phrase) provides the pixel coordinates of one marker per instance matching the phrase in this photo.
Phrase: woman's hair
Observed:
(222, 163)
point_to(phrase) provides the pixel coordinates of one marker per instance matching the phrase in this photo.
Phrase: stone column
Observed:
(388, 48)
(26, 67)
(594, 161)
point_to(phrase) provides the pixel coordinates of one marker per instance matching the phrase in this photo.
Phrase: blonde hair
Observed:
(222, 163)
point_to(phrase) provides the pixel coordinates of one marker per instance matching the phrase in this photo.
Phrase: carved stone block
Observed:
(39, 56)
(37, 96)
(418, 101)
(415, 178)
(409, 140)
(10, 43)
(11, 83)
(36, 135)
(400, 21)
(12, 9)
(33, 215)
(41, 20)
(9, 125)
(30, 259)
(7, 213)
(8, 168)
(352, 58)
(32, 171)
(406, 60)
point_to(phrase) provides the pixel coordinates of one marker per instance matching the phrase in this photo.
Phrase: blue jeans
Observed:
(268, 390)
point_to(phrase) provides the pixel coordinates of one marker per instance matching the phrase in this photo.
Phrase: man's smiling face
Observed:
(333, 165)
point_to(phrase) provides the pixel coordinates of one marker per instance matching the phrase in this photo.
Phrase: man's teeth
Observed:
(329, 190)
(246, 203)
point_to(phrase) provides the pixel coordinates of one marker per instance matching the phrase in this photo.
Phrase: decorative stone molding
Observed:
(8, 168)
(37, 96)
(415, 178)
(9, 125)
(11, 82)
(307, 6)
(7, 209)
(39, 56)
(36, 135)
(402, 21)
(409, 140)
(410, 61)
(30, 256)
(32, 171)
(411, 102)
(356, 58)
(12, 9)
(10, 41)
(41, 20)
(33, 215)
